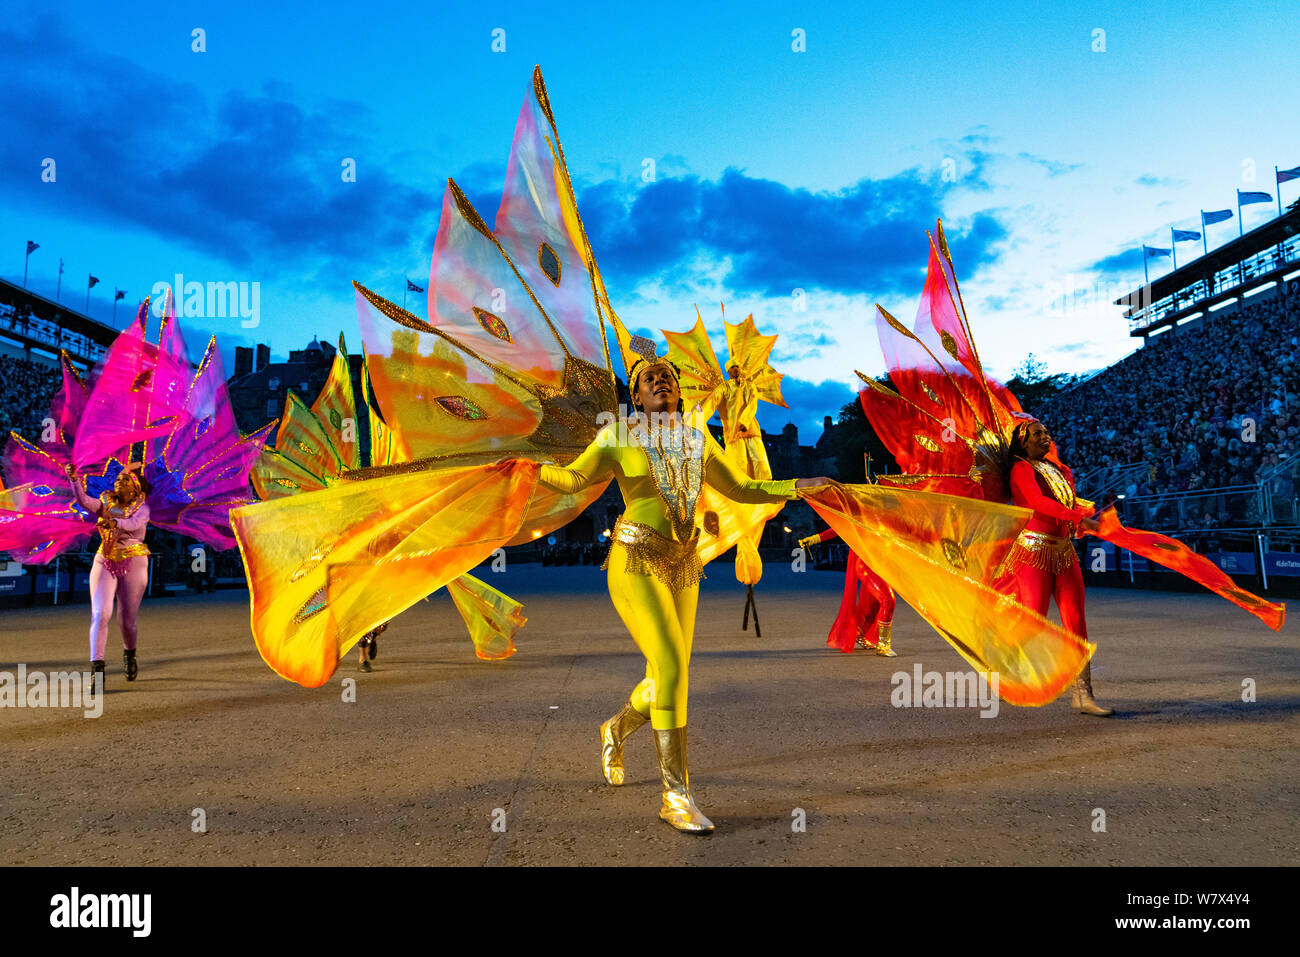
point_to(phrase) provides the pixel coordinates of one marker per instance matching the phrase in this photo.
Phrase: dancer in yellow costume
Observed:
(654, 566)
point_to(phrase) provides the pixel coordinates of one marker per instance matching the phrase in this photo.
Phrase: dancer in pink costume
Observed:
(193, 468)
(121, 568)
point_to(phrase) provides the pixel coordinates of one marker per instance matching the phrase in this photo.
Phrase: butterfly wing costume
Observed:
(195, 460)
(317, 447)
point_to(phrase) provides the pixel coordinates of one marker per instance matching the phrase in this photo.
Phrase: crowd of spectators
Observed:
(1214, 404)
(26, 389)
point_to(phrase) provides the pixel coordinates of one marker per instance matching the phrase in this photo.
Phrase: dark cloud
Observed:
(869, 237)
(254, 179)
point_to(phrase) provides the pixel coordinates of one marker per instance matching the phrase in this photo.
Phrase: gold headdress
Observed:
(639, 355)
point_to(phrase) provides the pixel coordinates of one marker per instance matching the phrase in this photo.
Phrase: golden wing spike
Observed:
(66, 360)
(899, 327)
(960, 308)
(879, 386)
(886, 390)
(544, 101)
(910, 478)
(958, 304)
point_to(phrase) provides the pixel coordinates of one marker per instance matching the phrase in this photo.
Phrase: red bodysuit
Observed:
(1042, 563)
(867, 609)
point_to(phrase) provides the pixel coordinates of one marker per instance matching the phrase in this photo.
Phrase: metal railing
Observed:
(1107, 478)
(1235, 276)
(1280, 483)
(49, 334)
(1239, 506)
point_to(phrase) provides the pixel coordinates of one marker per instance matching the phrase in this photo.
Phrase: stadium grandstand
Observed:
(1198, 431)
(33, 331)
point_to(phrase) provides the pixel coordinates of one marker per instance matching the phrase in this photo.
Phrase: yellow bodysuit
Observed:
(653, 565)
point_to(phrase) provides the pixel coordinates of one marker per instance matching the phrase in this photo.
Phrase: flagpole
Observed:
(1173, 248)
(59, 288)
(1241, 230)
(1277, 186)
(1145, 275)
(87, 309)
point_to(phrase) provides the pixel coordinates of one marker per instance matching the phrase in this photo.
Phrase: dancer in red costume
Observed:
(867, 610)
(1043, 564)
(953, 429)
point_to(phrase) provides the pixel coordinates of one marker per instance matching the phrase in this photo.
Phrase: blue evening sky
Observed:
(1050, 159)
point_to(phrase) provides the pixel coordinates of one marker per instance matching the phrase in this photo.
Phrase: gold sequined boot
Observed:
(612, 735)
(1082, 700)
(882, 641)
(679, 808)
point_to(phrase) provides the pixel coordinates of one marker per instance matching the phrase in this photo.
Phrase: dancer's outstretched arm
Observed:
(739, 487)
(91, 505)
(595, 464)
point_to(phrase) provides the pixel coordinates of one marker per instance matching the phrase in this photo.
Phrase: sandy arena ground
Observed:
(437, 741)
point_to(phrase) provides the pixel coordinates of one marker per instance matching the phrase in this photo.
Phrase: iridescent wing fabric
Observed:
(314, 446)
(136, 397)
(199, 468)
(42, 462)
(1176, 556)
(949, 426)
(702, 376)
(513, 358)
(387, 447)
(202, 469)
(326, 567)
(938, 552)
(196, 461)
(946, 423)
(39, 517)
(318, 448)
(711, 387)
(39, 521)
(511, 364)
(749, 353)
(491, 616)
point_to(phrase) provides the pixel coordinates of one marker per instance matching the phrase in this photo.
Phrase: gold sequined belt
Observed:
(676, 564)
(1049, 552)
(122, 553)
